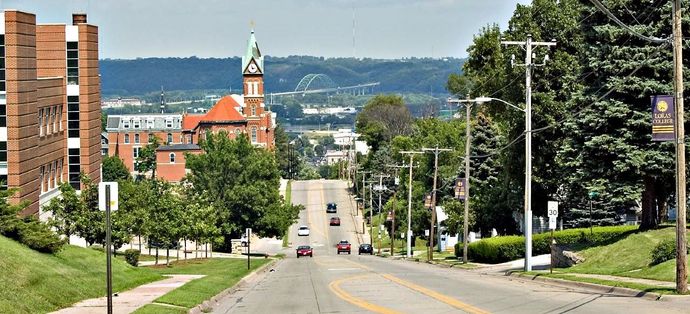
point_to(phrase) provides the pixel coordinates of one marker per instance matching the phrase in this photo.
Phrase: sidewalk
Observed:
(642, 281)
(130, 301)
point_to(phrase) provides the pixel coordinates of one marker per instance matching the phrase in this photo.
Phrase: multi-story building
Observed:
(180, 133)
(49, 106)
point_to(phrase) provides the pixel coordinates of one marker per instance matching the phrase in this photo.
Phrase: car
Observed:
(331, 208)
(303, 231)
(344, 246)
(335, 221)
(366, 248)
(304, 250)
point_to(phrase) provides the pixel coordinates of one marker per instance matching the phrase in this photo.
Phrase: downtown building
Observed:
(49, 106)
(180, 133)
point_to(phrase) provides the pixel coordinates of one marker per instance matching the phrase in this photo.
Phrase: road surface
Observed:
(332, 283)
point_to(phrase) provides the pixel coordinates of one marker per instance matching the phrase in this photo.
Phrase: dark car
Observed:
(335, 221)
(331, 208)
(366, 248)
(304, 250)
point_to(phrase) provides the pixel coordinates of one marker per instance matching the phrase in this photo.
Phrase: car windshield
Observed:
(344, 242)
(303, 228)
(303, 247)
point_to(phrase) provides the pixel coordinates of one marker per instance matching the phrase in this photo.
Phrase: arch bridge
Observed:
(319, 83)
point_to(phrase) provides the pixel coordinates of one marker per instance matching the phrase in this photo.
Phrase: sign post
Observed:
(249, 241)
(552, 210)
(108, 201)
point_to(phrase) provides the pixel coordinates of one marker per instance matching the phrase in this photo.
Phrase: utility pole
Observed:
(409, 202)
(681, 253)
(436, 152)
(380, 190)
(528, 44)
(395, 204)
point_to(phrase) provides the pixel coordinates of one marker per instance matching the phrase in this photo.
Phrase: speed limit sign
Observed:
(552, 211)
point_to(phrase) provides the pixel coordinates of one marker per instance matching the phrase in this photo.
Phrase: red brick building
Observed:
(49, 105)
(180, 133)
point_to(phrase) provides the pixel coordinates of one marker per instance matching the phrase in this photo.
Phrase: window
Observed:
(254, 134)
(136, 123)
(136, 152)
(136, 138)
(172, 158)
(46, 117)
(40, 124)
(125, 124)
(169, 123)
(149, 123)
(72, 63)
(52, 174)
(253, 110)
(60, 117)
(237, 132)
(170, 138)
(51, 123)
(189, 139)
(59, 171)
(40, 177)
(126, 138)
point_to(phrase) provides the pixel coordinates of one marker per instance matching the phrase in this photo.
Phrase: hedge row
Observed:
(508, 248)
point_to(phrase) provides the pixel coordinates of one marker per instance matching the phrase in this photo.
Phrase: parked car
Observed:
(335, 221)
(344, 246)
(366, 248)
(303, 231)
(304, 250)
(331, 208)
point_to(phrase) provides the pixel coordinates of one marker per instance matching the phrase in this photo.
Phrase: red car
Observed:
(344, 246)
(335, 221)
(304, 250)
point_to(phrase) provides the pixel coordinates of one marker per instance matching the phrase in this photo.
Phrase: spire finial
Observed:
(251, 24)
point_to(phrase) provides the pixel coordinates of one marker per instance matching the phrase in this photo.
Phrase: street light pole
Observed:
(528, 44)
(436, 152)
(409, 203)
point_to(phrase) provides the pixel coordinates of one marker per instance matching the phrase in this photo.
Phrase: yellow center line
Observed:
(335, 288)
(323, 205)
(438, 296)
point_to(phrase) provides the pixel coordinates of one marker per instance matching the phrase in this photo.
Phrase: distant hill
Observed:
(141, 76)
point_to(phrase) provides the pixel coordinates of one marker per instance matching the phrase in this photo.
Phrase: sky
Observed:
(386, 29)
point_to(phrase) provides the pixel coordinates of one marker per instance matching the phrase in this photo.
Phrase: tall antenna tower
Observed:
(354, 51)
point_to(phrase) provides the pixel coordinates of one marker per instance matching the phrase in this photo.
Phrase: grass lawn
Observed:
(630, 257)
(221, 273)
(631, 285)
(400, 245)
(142, 257)
(33, 282)
(161, 309)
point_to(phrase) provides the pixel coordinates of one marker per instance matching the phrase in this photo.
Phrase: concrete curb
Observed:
(206, 306)
(590, 286)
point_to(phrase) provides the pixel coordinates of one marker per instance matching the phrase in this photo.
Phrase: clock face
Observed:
(252, 68)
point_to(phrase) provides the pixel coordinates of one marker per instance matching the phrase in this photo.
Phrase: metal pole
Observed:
(433, 207)
(409, 211)
(108, 272)
(380, 222)
(371, 217)
(681, 254)
(591, 231)
(395, 204)
(249, 241)
(468, 142)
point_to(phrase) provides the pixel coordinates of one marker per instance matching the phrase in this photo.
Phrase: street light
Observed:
(528, 177)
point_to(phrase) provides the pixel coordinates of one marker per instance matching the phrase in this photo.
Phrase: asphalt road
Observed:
(332, 283)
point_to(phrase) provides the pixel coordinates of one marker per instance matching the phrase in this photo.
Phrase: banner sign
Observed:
(663, 118)
(460, 188)
(427, 201)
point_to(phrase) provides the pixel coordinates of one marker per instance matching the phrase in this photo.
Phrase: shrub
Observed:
(508, 248)
(664, 251)
(38, 236)
(132, 257)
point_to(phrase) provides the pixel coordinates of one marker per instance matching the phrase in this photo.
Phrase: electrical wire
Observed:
(612, 17)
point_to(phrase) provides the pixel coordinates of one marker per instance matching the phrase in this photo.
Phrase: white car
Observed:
(303, 231)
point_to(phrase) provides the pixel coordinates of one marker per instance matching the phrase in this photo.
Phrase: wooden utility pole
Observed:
(681, 253)
(409, 203)
(395, 204)
(436, 152)
(380, 190)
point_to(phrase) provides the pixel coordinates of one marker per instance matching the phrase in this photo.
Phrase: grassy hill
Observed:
(629, 257)
(33, 282)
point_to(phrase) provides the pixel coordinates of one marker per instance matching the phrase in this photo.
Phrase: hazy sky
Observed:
(219, 28)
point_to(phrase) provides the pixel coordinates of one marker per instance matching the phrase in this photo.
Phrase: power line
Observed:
(612, 17)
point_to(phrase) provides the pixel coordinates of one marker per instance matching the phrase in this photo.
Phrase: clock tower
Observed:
(253, 80)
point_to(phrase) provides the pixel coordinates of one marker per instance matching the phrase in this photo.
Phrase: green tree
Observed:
(383, 118)
(165, 218)
(90, 220)
(147, 158)
(66, 209)
(240, 181)
(114, 169)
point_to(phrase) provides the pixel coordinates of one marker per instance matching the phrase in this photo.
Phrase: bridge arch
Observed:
(315, 81)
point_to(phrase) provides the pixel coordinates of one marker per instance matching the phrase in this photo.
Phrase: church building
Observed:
(237, 115)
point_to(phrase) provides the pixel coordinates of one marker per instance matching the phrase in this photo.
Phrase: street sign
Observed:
(552, 211)
(113, 195)
(460, 188)
(426, 232)
(663, 118)
(427, 201)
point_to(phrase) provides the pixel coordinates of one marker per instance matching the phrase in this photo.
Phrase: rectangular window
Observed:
(126, 138)
(136, 123)
(150, 124)
(125, 124)
(60, 117)
(40, 122)
(40, 178)
(136, 138)
(59, 171)
(53, 118)
(136, 152)
(72, 63)
(51, 176)
(46, 119)
(168, 123)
